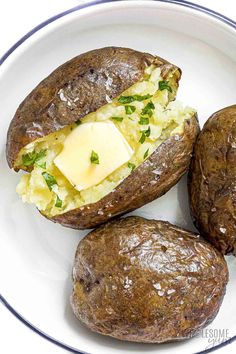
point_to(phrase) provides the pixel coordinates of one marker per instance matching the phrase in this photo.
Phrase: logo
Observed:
(214, 336)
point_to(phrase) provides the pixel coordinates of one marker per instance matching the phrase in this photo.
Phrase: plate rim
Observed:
(218, 16)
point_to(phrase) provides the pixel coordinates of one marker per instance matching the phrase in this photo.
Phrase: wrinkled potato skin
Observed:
(147, 281)
(153, 178)
(90, 78)
(212, 182)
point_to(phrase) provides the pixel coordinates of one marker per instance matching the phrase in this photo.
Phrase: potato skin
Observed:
(147, 281)
(212, 182)
(76, 88)
(153, 178)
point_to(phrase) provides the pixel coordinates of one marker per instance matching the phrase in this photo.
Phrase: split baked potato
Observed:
(147, 281)
(212, 182)
(101, 136)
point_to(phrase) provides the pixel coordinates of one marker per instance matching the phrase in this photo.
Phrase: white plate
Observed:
(36, 255)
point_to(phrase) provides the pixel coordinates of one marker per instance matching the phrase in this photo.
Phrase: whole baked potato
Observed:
(212, 180)
(101, 136)
(147, 281)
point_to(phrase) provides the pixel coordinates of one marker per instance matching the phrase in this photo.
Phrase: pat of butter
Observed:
(102, 138)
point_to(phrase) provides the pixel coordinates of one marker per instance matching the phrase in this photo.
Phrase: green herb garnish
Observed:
(49, 179)
(145, 154)
(94, 158)
(129, 109)
(117, 119)
(143, 121)
(148, 109)
(147, 132)
(143, 137)
(58, 203)
(33, 157)
(131, 166)
(129, 99)
(28, 159)
(142, 98)
(164, 85)
(78, 122)
(144, 134)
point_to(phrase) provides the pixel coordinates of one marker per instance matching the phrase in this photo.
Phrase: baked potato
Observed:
(147, 281)
(101, 136)
(212, 182)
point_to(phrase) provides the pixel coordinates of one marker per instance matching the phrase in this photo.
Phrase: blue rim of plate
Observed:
(183, 3)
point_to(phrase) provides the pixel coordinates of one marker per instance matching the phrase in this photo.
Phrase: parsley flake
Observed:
(145, 154)
(58, 203)
(143, 121)
(164, 85)
(94, 158)
(129, 99)
(131, 166)
(147, 132)
(49, 179)
(33, 157)
(148, 109)
(143, 137)
(144, 134)
(117, 119)
(129, 109)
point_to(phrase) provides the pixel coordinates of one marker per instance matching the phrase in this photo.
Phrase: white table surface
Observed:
(16, 18)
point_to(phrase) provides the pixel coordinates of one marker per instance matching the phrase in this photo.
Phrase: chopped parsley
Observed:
(94, 158)
(129, 99)
(58, 203)
(29, 159)
(33, 158)
(143, 121)
(131, 166)
(164, 85)
(148, 109)
(144, 134)
(49, 179)
(145, 154)
(148, 132)
(143, 137)
(78, 122)
(117, 119)
(129, 109)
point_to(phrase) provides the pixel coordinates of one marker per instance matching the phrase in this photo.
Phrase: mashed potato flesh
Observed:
(145, 117)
